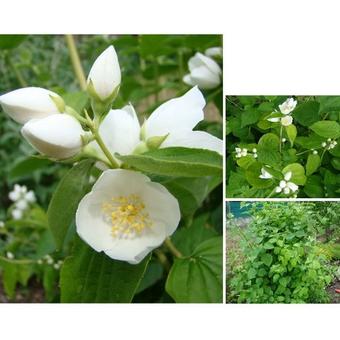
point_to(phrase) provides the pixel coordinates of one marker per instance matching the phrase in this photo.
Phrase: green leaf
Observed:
(253, 177)
(311, 142)
(65, 199)
(326, 129)
(246, 161)
(26, 166)
(335, 163)
(8, 41)
(313, 163)
(291, 133)
(251, 273)
(184, 162)
(314, 187)
(298, 173)
(76, 100)
(307, 113)
(186, 239)
(198, 278)
(88, 276)
(249, 117)
(14, 272)
(329, 103)
(154, 272)
(267, 259)
(268, 149)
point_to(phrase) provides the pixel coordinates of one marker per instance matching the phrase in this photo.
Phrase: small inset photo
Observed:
(283, 146)
(283, 252)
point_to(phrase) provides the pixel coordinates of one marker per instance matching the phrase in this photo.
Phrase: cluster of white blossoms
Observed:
(125, 215)
(48, 259)
(286, 108)
(330, 144)
(205, 72)
(22, 200)
(285, 186)
(244, 152)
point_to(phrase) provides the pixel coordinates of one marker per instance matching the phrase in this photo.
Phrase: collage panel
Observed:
(283, 252)
(283, 147)
(111, 166)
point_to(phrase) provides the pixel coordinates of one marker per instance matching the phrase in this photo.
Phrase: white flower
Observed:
(126, 215)
(265, 174)
(29, 103)
(214, 52)
(10, 255)
(40, 261)
(30, 197)
(288, 106)
(285, 186)
(57, 136)
(286, 121)
(171, 124)
(2, 224)
(105, 75)
(329, 140)
(324, 144)
(284, 140)
(204, 72)
(315, 152)
(17, 214)
(254, 150)
(21, 204)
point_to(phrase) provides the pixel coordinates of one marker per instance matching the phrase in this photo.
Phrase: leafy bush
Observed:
(281, 262)
(297, 136)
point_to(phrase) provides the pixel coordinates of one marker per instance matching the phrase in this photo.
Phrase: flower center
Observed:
(127, 216)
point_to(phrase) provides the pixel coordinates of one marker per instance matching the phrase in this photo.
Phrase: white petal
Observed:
(200, 59)
(204, 78)
(29, 103)
(292, 186)
(187, 79)
(274, 120)
(194, 139)
(288, 176)
(278, 189)
(120, 130)
(286, 190)
(105, 73)
(286, 121)
(57, 136)
(214, 52)
(176, 114)
(282, 184)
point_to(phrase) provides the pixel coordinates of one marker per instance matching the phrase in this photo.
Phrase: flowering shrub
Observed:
(133, 182)
(281, 260)
(296, 142)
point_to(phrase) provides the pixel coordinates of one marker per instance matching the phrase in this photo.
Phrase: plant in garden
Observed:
(294, 137)
(281, 262)
(126, 214)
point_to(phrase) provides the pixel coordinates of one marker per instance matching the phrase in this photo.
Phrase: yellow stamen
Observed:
(127, 216)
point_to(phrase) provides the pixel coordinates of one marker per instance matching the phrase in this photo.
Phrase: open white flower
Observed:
(105, 76)
(169, 125)
(57, 136)
(288, 106)
(265, 174)
(29, 103)
(204, 72)
(126, 215)
(286, 186)
(17, 214)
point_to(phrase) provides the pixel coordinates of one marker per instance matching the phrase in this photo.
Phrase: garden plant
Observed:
(283, 146)
(111, 182)
(282, 255)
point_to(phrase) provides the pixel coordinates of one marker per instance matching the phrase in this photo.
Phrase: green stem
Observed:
(323, 153)
(106, 151)
(281, 130)
(173, 250)
(78, 69)
(163, 259)
(16, 71)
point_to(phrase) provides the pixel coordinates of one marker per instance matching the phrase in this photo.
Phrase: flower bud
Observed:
(104, 77)
(286, 121)
(214, 52)
(57, 136)
(29, 103)
(204, 72)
